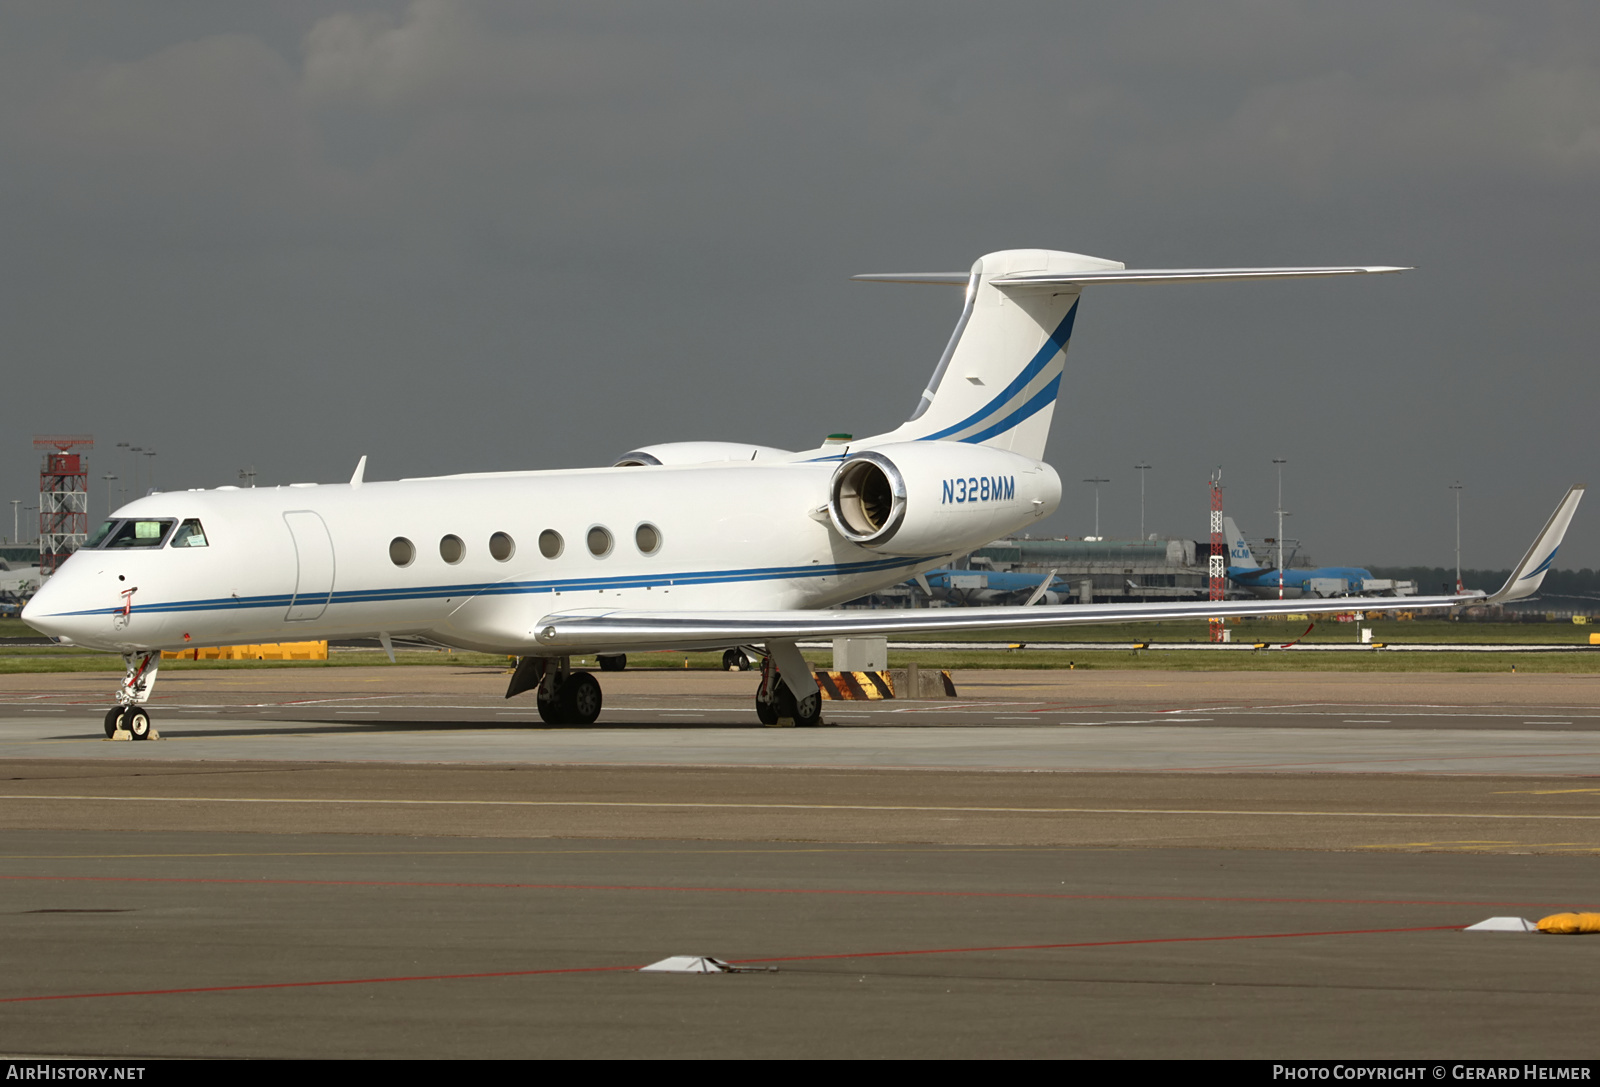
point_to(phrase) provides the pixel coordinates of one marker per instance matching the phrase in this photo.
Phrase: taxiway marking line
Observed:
(744, 806)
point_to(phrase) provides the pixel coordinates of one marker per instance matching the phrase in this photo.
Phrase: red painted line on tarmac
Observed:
(780, 958)
(1103, 943)
(868, 892)
(315, 984)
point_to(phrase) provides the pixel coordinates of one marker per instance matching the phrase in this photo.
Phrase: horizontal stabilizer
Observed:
(942, 279)
(1131, 275)
(1185, 275)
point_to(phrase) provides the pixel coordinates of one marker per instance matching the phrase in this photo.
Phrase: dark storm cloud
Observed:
(471, 236)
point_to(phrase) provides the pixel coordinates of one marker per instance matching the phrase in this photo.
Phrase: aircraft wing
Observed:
(597, 629)
(600, 630)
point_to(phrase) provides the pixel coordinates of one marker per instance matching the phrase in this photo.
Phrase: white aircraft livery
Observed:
(686, 545)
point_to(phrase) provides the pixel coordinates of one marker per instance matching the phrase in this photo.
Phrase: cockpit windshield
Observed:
(189, 534)
(134, 532)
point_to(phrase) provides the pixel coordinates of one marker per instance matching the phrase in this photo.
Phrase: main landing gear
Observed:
(787, 696)
(777, 704)
(129, 716)
(565, 697)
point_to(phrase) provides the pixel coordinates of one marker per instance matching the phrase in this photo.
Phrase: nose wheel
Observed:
(133, 721)
(128, 719)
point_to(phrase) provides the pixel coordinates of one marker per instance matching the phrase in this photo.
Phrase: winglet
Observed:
(360, 474)
(1049, 579)
(1525, 579)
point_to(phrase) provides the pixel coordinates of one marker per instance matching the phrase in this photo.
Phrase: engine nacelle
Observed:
(697, 453)
(931, 498)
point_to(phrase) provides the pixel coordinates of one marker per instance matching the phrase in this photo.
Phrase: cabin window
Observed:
(648, 539)
(189, 534)
(599, 541)
(502, 547)
(139, 533)
(451, 549)
(551, 544)
(401, 551)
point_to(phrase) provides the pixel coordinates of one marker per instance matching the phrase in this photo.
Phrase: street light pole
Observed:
(1142, 467)
(1280, 462)
(16, 525)
(1456, 487)
(1097, 483)
(110, 479)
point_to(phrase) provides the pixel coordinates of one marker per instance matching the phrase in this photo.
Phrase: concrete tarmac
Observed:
(1146, 864)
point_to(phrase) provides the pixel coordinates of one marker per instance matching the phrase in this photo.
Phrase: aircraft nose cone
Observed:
(46, 612)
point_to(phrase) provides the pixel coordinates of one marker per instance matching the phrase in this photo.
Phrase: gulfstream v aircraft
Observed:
(700, 544)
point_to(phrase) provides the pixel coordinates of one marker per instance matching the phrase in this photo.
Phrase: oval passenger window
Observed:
(599, 542)
(401, 552)
(451, 549)
(648, 538)
(550, 543)
(501, 546)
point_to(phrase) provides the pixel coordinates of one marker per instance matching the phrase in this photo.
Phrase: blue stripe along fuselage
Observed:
(512, 588)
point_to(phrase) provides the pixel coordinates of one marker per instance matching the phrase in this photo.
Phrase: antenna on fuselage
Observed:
(359, 476)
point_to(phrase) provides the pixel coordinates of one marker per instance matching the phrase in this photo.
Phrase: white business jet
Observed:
(689, 545)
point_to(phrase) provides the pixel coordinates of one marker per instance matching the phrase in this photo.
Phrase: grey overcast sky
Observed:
(462, 236)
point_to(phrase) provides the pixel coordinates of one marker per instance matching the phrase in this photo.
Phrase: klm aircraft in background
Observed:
(991, 587)
(1251, 577)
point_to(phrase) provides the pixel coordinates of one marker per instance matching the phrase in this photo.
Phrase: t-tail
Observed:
(1000, 376)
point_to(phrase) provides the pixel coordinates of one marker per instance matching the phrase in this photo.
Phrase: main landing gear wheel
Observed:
(112, 715)
(576, 702)
(766, 712)
(579, 699)
(137, 722)
(804, 712)
(734, 660)
(613, 663)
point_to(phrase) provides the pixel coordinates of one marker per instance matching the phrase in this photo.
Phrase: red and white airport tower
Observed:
(1218, 564)
(63, 498)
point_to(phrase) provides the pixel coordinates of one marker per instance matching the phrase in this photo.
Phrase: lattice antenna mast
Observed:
(63, 498)
(1218, 564)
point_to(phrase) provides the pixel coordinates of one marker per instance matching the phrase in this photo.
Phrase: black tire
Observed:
(579, 699)
(734, 660)
(805, 712)
(766, 712)
(137, 722)
(613, 663)
(550, 711)
(112, 715)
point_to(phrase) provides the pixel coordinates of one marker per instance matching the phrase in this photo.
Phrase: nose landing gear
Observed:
(128, 716)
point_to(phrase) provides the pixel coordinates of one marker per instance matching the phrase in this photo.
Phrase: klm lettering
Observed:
(979, 489)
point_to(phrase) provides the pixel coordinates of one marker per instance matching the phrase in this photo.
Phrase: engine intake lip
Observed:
(867, 499)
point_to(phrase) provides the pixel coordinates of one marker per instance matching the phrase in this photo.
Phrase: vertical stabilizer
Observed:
(1238, 551)
(999, 377)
